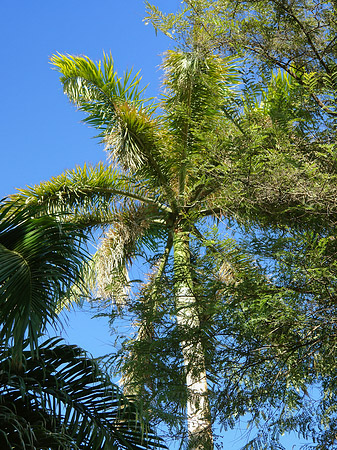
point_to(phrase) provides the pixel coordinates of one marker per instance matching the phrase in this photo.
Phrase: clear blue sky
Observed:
(41, 133)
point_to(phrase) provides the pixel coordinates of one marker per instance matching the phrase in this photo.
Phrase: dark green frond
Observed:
(62, 400)
(40, 260)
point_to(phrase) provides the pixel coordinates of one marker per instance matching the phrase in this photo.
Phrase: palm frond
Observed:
(86, 195)
(114, 106)
(196, 85)
(62, 400)
(40, 260)
(86, 82)
(137, 143)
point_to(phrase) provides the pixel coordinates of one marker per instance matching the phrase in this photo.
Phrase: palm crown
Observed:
(160, 159)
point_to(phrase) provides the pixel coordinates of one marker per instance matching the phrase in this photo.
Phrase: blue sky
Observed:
(41, 133)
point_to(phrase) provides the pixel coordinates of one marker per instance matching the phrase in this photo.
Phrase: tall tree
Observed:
(159, 188)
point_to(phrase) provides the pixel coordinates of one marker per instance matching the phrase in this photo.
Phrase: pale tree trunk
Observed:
(198, 409)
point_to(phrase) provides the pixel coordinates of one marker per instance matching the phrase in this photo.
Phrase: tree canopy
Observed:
(224, 327)
(295, 244)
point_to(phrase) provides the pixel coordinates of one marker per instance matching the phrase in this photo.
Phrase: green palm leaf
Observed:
(88, 195)
(40, 260)
(113, 106)
(62, 400)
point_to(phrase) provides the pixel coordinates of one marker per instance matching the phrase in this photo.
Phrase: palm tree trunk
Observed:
(198, 409)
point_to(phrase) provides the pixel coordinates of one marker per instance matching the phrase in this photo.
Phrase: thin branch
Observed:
(305, 32)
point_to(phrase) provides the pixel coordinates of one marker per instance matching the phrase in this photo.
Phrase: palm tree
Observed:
(52, 395)
(163, 181)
